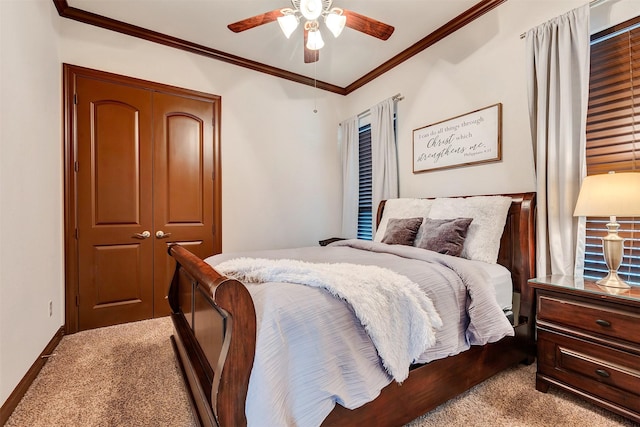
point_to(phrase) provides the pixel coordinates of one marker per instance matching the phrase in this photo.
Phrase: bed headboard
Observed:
(517, 245)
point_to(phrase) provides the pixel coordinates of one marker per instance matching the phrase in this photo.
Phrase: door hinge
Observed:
(76, 166)
(77, 300)
(75, 233)
(75, 98)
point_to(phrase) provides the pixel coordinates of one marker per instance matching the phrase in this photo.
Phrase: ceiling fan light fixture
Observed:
(311, 9)
(335, 21)
(309, 13)
(314, 40)
(288, 22)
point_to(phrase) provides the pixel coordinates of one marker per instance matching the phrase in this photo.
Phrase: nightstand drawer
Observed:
(588, 341)
(587, 366)
(601, 319)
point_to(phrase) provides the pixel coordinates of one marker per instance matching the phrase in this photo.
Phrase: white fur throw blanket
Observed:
(398, 316)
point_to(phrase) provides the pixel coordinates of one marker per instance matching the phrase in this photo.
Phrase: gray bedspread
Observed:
(311, 350)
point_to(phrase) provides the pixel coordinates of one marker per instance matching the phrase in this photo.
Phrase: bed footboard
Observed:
(215, 334)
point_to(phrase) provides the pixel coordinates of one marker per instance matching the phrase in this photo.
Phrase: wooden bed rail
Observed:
(195, 285)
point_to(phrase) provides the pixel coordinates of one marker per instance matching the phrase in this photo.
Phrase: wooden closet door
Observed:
(142, 170)
(114, 203)
(183, 184)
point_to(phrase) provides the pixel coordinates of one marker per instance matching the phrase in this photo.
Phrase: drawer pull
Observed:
(603, 323)
(602, 373)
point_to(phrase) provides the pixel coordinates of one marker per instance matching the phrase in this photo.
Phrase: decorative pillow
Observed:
(402, 208)
(445, 236)
(401, 231)
(489, 215)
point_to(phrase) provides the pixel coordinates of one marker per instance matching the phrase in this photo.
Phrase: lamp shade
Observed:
(335, 21)
(611, 194)
(314, 40)
(288, 24)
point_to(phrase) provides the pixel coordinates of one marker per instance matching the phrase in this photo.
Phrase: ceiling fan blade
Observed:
(368, 25)
(254, 21)
(309, 55)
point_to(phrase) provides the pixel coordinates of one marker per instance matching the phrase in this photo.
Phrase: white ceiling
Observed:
(342, 60)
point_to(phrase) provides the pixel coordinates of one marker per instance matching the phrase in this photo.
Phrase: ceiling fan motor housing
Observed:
(312, 9)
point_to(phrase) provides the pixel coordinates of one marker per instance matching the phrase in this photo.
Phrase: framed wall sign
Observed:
(468, 139)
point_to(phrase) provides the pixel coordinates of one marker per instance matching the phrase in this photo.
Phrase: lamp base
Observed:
(613, 251)
(613, 281)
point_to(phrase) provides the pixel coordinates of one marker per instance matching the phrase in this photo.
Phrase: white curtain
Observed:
(384, 155)
(348, 140)
(558, 86)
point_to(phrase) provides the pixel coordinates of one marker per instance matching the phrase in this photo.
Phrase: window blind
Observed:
(365, 187)
(613, 139)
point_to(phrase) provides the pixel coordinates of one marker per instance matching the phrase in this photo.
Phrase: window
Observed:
(366, 211)
(365, 194)
(613, 135)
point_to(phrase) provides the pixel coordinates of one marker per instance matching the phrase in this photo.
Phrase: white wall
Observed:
(31, 258)
(280, 164)
(613, 12)
(480, 65)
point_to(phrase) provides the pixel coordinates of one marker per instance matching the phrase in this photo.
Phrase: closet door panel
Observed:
(183, 183)
(184, 169)
(114, 203)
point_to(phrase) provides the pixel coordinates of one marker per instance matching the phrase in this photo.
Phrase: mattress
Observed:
(500, 277)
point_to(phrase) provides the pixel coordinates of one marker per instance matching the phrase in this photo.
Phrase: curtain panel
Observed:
(384, 164)
(384, 154)
(348, 141)
(558, 88)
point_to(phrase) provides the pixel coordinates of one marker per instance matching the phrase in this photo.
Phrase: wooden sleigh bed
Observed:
(215, 340)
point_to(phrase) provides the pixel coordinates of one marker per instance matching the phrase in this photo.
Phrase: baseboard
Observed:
(29, 377)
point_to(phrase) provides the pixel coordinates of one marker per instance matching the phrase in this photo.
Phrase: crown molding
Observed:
(476, 11)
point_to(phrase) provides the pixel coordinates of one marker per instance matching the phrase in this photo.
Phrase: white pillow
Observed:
(403, 208)
(489, 215)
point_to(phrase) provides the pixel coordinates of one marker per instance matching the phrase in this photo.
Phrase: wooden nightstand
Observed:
(588, 341)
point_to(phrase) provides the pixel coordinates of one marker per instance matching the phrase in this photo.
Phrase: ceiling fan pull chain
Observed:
(315, 87)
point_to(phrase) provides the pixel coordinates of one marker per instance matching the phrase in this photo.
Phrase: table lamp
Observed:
(611, 194)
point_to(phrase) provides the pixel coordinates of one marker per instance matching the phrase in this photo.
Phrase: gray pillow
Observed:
(401, 231)
(445, 236)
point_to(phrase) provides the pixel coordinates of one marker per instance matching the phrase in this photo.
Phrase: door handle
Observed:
(144, 235)
(161, 234)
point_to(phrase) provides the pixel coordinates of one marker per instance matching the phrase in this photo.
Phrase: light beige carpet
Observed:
(126, 375)
(122, 375)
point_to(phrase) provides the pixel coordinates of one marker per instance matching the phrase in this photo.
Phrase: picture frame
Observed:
(469, 139)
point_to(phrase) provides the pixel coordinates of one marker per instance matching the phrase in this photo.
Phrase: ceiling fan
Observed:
(310, 11)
